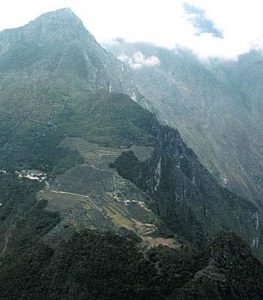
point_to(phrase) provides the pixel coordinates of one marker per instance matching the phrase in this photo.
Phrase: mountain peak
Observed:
(62, 12)
(60, 16)
(52, 27)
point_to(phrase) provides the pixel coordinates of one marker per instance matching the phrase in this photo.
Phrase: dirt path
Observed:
(68, 193)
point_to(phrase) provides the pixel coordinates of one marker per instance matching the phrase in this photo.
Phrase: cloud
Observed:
(224, 28)
(200, 21)
(139, 60)
(240, 21)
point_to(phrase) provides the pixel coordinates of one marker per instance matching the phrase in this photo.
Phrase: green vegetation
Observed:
(54, 119)
(37, 148)
(93, 265)
(111, 120)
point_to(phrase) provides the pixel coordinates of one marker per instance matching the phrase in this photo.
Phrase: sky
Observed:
(220, 28)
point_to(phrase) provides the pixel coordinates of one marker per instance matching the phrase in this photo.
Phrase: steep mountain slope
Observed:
(52, 64)
(94, 190)
(217, 107)
(186, 197)
(245, 75)
(52, 67)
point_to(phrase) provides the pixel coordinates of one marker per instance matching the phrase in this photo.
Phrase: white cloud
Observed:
(240, 21)
(162, 22)
(138, 60)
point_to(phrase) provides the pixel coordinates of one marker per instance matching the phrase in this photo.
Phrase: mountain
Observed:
(54, 53)
(98, 199)
(216, 105)
(57, 44)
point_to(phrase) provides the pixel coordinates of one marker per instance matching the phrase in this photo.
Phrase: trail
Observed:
(71, 194)
(103, 170)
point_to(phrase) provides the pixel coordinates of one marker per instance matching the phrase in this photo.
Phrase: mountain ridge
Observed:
(206, 101)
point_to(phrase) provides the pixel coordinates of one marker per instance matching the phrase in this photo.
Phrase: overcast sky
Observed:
(223, 28)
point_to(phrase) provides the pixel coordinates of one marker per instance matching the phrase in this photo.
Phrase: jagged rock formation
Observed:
(185, 195)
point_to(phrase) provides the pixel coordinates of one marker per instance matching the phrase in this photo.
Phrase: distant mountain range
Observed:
(101, 200)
